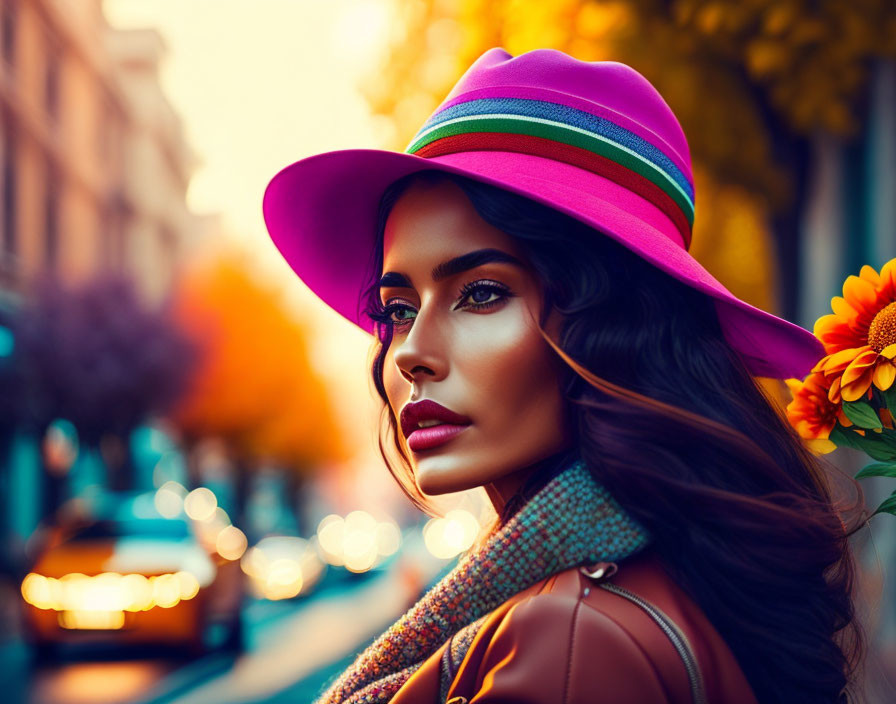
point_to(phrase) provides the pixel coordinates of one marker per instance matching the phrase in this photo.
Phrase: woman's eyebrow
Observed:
(464, 262)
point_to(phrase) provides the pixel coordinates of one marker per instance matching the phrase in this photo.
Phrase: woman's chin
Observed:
(444, 474)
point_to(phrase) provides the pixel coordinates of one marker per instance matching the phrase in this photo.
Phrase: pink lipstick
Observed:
(439, 424)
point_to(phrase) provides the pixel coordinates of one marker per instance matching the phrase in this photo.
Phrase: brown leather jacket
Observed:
(567, 640)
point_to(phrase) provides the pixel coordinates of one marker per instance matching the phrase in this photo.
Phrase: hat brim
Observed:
(321, 215)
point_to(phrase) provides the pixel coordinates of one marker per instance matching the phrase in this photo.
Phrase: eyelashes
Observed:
(482, 295)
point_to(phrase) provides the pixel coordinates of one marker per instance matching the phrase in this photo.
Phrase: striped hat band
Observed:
(563, 133)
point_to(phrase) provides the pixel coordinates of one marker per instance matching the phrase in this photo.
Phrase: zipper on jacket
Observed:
(669, 627)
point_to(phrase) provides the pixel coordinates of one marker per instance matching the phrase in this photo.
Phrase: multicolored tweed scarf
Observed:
(572, 520)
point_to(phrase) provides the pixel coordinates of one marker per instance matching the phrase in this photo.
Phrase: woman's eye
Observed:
(401, 314)
(483, 295)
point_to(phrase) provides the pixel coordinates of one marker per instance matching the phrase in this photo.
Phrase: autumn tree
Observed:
(99, 357)
(255, 387)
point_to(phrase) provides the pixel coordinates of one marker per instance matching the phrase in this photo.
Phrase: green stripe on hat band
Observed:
(566, 134)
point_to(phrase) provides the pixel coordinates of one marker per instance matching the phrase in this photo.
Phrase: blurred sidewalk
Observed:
(311, 646)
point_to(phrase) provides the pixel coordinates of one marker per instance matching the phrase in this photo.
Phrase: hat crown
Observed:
(599, 116)
(605, 85)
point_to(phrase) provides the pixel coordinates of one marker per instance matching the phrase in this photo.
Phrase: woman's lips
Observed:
(433, 436)
(441, 424)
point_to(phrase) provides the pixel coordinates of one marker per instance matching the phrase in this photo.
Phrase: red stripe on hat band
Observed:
(574, 156)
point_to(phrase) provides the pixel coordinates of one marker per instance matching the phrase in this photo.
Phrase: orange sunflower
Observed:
(860, 336)
(811, 412)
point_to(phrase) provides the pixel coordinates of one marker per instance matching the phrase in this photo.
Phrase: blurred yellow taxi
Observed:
(129, 574)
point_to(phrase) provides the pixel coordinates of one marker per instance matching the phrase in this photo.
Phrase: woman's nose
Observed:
(421, 354)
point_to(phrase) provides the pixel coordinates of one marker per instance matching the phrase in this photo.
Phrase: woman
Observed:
(541, 331)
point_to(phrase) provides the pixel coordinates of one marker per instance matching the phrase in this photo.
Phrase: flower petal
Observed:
(820, 446)
(794, 385)
(843, 418)
(859, 293)
(887, 287)
(842, 309)
(839, 360)
(858, 367)
(869, 273)
(889, 351)
(884, 373)
(834, 391)
(854, 390)
(835, 334)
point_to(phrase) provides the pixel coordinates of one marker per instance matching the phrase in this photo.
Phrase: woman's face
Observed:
(464, 305)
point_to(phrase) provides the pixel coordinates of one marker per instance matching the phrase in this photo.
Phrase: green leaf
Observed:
(877, 469)
(890, 397)
(882, 454)
(879, 448)
(887, 436)
(844, 437)
(887, 506)
(862, 414)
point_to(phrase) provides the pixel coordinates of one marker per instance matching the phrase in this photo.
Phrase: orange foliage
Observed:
(255, 386)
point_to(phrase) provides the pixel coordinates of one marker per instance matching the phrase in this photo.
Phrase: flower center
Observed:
(882, 331)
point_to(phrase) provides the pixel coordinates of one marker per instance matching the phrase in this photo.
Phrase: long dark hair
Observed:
(742, 514)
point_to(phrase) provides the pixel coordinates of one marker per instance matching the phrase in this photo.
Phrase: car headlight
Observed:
(109, 591)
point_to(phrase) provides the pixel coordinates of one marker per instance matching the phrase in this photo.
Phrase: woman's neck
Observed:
(509, 492)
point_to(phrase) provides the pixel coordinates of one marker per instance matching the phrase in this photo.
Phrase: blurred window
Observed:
(113, 232)
(51, 80)
(9, 14)
(9, 243)
(51, 223)
(166, 528)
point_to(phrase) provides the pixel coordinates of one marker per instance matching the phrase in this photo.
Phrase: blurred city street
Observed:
(292, 649)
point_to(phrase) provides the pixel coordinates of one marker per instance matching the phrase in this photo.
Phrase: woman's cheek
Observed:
(395, 384)
(503, 361)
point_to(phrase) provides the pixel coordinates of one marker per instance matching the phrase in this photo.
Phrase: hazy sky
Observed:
(260, 84)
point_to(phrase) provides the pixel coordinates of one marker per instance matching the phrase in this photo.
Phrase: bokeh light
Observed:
(447, 537)
(169, 499)
(231, 543)
(200, 504)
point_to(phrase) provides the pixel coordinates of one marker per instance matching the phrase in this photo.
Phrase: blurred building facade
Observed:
(94, 176)
(95, 164)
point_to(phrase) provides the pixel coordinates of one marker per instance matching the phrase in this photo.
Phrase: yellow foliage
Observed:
(732, 240)
(595, 21)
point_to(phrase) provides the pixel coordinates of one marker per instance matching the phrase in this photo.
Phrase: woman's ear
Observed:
(553, 325)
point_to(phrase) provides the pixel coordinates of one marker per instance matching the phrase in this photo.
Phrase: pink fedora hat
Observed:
(594, 140)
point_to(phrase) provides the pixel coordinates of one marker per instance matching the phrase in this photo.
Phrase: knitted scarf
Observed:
(572, 520)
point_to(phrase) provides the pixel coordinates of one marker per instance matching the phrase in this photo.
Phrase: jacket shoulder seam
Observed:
(572, 642)
(645, 654)
(531, 602)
